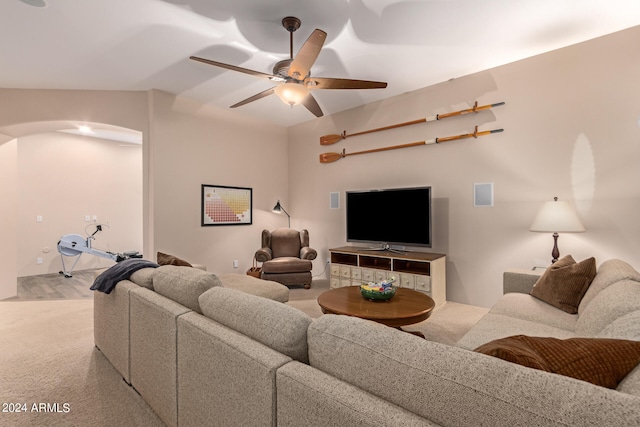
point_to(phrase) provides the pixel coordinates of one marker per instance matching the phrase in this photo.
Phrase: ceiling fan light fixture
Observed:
(291, 93)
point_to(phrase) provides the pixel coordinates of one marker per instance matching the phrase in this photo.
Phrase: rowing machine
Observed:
(74, 245)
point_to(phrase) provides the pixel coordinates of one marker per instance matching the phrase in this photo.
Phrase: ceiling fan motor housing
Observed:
(291, 23)
(282, 68)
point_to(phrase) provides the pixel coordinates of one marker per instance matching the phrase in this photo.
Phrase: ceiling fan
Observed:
(293, 75)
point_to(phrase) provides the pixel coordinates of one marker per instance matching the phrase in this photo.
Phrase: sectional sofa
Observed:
(203, 353)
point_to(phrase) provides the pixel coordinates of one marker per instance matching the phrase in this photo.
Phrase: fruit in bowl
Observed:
(382, 291)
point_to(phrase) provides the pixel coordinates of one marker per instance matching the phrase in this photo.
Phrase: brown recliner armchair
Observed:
(286, 257)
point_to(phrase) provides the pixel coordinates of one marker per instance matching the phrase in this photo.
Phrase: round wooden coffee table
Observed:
(405, 308)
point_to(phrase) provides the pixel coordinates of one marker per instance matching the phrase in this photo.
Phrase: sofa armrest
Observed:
(264, 254)
(308, 253)
(519, 280)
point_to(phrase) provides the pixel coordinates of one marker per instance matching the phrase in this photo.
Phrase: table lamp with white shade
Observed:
(557, 217)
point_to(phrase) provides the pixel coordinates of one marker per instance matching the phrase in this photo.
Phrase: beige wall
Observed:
(64, 178)
(185, 145)
(8, 213)
(569, 131)
(192, 145)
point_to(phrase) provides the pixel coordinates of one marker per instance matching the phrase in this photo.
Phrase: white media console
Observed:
(422, 271)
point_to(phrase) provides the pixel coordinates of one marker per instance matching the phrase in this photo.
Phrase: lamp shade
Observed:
(291, 93)
(279, 209)
(557, 217)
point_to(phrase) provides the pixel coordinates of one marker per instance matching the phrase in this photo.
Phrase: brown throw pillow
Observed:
(165, 259)
(565, 282)
(601, 361)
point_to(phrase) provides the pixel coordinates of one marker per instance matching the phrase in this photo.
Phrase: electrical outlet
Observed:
(235, 263)
(87, 218)
(39, 260)
(39, 218)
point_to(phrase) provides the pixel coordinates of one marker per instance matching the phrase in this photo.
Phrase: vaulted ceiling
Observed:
(146, 44)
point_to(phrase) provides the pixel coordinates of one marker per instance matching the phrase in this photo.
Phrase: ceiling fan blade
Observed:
(240, 69)
(307, 55)
(312, 105)
(331, 83)
(254, 98)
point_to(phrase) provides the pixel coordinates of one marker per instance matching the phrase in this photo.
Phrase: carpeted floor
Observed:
(48, 359)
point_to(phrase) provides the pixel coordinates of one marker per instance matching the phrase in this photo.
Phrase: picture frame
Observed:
(224, 205)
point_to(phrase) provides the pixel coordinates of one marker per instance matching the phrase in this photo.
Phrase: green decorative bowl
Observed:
(376, 295)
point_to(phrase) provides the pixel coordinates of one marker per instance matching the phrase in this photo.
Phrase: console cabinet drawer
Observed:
(345, 271)
(335, 270)
(423, 283)
(368, 275)
(407, 281)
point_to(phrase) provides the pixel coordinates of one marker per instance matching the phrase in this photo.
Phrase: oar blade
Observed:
(330, 157)
(330, 139)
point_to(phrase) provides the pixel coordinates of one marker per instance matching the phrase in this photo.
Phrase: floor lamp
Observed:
(556, 217)
(279, 209)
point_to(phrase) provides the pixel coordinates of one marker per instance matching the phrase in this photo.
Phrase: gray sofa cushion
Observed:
(254, 286)
(311, 398)
(143, 277)
(272, 323)
(455, 387)
(609, 272)
(183, 284)
(526, 307)
(611, 303)
(624, 327)
(224, 377)
(493, 326)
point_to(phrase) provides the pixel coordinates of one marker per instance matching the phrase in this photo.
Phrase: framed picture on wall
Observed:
(223, 205)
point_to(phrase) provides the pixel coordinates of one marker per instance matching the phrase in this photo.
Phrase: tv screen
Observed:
(399, 216)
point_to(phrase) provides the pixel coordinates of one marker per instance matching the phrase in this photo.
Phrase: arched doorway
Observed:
(68, 180)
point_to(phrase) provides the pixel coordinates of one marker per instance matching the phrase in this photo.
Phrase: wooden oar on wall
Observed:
(332, 139)
(332, 157)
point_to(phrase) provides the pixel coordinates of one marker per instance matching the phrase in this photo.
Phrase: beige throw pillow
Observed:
(565, 282)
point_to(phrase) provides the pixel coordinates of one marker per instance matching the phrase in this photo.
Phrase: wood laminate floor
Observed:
(55, 286)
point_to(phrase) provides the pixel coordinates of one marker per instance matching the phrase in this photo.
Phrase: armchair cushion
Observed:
(287, 265)
(285, 242)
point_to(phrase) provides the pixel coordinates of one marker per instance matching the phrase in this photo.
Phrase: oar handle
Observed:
(473, 109)
(475, 134)
(393, 147)
(413, 122)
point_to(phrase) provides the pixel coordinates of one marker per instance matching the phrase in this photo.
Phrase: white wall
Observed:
(63, 178)
(569, 131)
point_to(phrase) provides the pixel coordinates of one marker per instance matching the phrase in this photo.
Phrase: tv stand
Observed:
(422, 271)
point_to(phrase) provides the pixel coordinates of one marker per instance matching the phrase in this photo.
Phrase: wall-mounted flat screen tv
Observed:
(398, 216)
